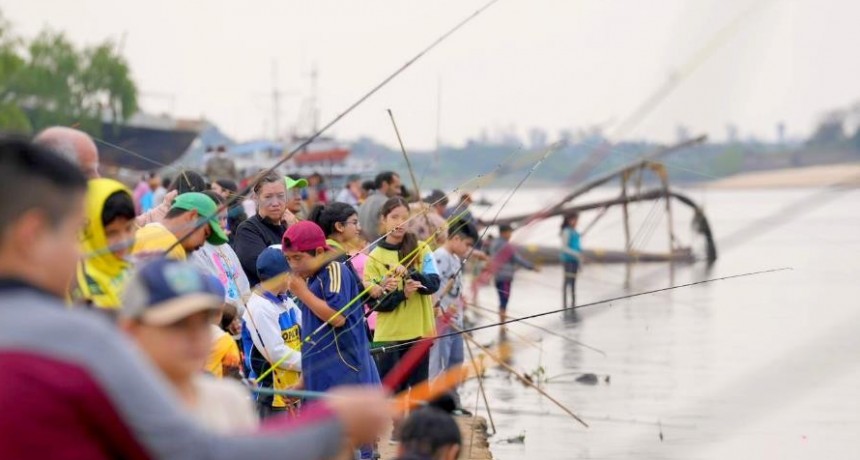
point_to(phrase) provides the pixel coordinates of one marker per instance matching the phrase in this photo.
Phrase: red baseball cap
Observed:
(303, 236)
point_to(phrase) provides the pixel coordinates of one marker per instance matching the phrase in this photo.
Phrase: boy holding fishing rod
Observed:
(340, 353)
(447, 351)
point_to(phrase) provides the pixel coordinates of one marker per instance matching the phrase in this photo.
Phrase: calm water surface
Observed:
(759, 367)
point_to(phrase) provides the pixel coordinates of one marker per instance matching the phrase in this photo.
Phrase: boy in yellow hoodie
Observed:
(106, 239)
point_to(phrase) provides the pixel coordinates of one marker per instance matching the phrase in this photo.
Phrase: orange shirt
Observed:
(224, 353)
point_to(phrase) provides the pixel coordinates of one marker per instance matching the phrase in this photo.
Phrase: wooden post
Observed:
(664, 179)
(663, 174)
(628, 266)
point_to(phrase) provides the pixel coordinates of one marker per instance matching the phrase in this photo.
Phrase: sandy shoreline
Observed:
(808, 176)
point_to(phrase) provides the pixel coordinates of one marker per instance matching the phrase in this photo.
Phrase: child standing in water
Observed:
(506, 259)
(405, 276)
(571, 253)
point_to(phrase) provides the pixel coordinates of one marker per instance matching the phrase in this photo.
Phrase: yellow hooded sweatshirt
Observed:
(100, 274)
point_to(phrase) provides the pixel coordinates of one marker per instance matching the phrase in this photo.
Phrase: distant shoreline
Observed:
(801, 177)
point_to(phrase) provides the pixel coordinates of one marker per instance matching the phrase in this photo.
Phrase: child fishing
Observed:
(336, 350)
(406, 277)
(271, 333)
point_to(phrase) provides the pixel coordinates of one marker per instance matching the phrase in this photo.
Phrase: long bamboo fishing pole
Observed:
(526, 340)
(409, 167)
(405, 156)
(480, 180)
(501, 362)
(309, 338)
(480, 377)
(412, 357)
(545, 154)
(544, 329)
(337, 118)
(594, 158)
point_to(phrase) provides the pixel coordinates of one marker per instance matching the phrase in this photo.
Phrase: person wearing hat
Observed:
(105, 241)
(168, 306)
(351, 192)
(271, 332)
(340, 353)
(295, 190)
(74, 386)
(323, 287)
(181, 225)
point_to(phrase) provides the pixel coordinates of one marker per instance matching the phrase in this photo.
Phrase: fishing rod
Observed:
(424, 243)
(405, 156)
(408, 362)
(593, 304)
(647, 106)
(522, 337)
(352, 301)
(545, 153)
(501, 362)
(480, 180)
(483, 392)
(341, 115)
(309, 338)
(411, 359)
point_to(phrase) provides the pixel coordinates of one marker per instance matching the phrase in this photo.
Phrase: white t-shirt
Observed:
(223, 406)
(448, 266)
(262, 316)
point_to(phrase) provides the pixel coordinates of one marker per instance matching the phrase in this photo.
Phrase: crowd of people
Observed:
(137, 322)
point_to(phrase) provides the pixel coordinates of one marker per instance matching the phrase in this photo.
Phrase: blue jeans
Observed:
(569, 284)
(503, 287)
(445, 354)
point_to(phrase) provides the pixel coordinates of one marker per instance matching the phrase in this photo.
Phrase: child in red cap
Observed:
(339, 353)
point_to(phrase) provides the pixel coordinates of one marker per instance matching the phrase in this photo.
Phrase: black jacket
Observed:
(252, 236)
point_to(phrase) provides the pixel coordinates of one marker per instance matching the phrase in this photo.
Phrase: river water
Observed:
(763, 366)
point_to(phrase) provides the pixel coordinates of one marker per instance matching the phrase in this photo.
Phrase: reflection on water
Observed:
(757, 367)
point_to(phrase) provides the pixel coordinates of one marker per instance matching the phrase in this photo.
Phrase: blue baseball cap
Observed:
(164, 291)
(271, 263)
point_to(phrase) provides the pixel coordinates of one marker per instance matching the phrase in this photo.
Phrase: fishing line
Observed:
(599, 302)
(349, 109)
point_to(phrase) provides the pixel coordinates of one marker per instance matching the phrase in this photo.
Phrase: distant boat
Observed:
(325, 156)
(148, 142)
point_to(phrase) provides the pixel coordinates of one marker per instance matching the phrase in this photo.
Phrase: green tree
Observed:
(12, 118)
(48, 81)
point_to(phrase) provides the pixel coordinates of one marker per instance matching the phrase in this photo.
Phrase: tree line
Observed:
(47, 80)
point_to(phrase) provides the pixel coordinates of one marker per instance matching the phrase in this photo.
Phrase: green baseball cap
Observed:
(293, 183)
(206, 208)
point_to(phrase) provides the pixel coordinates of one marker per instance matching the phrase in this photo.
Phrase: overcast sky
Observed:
(554, 64)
